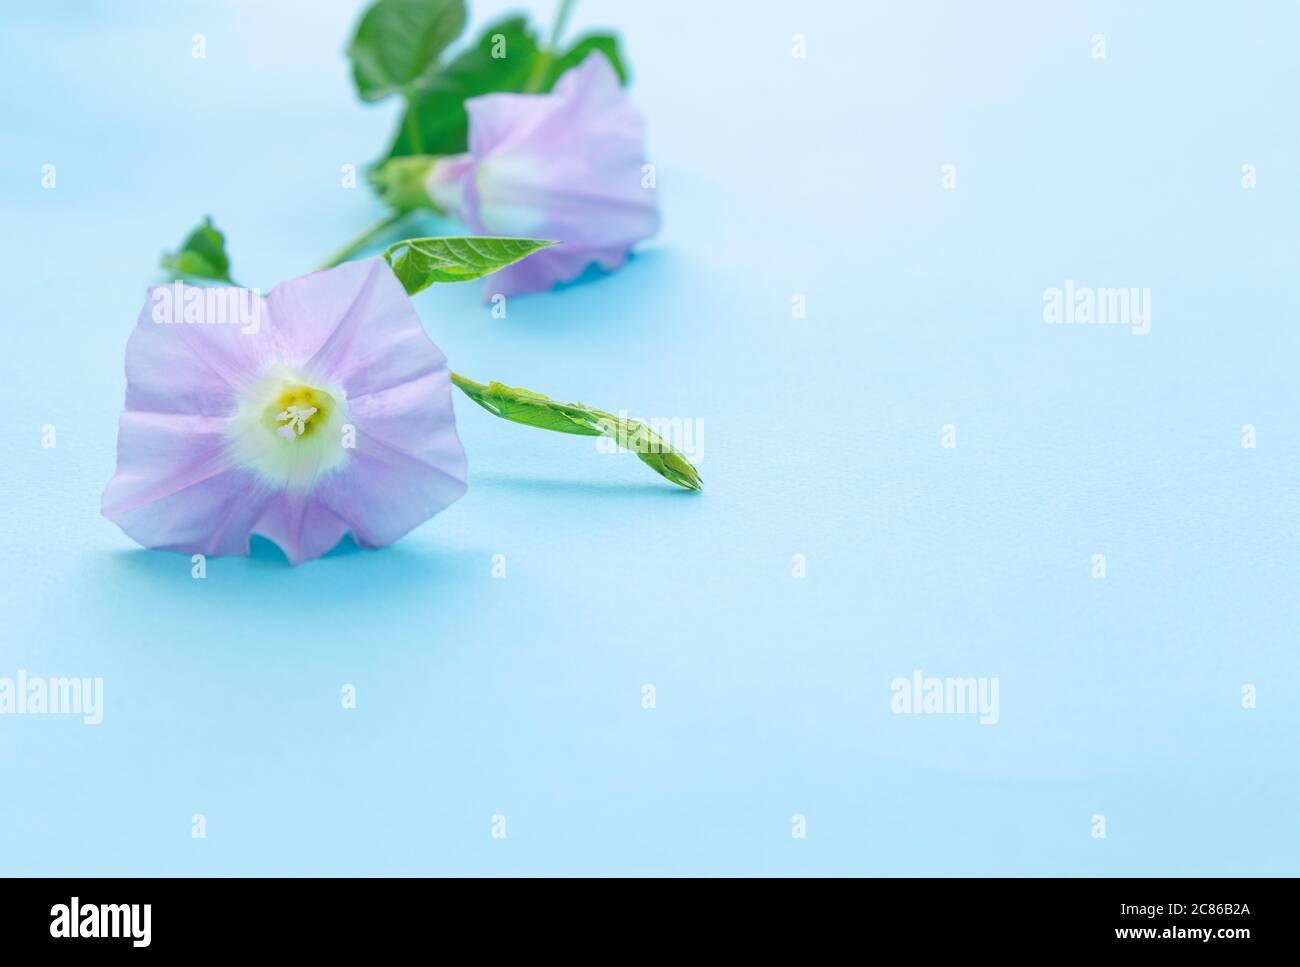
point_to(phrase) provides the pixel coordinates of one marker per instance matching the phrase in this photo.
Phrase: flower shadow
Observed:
(342, 582)
(605, 490)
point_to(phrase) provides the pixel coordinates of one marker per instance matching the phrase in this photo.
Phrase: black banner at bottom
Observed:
(143, 917)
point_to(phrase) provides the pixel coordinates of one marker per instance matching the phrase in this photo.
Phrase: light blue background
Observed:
(521, 696)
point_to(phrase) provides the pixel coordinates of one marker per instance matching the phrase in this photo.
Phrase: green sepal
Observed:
(201, 256)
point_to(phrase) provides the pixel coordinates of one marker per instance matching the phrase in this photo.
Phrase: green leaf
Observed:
(500, 60)
(420, 262)
(202, 255)
(607, 44)
(529, 408)
(533, 409)
(398, 42)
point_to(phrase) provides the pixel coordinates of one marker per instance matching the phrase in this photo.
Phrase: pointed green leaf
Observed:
(398, 43)
(420, 262)
(533, 409)
(607, 44)
(500, 60)
(202, 255)
(503, 58)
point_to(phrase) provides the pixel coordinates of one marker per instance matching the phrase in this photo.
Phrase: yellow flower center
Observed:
(297, 411)
(290, 429)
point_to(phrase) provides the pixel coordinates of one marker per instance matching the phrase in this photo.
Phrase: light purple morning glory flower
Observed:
(320, 410)
(568, 166)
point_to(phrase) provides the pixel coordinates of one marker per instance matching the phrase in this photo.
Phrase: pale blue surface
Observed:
(522, 696)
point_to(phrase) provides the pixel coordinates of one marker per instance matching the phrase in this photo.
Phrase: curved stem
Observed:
(362, 240)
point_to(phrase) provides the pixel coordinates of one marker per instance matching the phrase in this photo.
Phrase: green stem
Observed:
(557, 28)
(412, 125)
(543, 61)
(362, 240)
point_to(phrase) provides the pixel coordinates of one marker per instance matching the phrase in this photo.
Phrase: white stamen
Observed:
(289, 428)
(297, 417)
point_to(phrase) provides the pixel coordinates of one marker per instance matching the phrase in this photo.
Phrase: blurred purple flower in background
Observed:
(566, 166)
(320, 410)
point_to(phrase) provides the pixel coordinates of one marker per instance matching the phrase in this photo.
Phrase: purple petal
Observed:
(447, 181)
(180, 367)
(565, 166)
(408, 463)
(300, 526)
(354, 325)
(176, 488)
